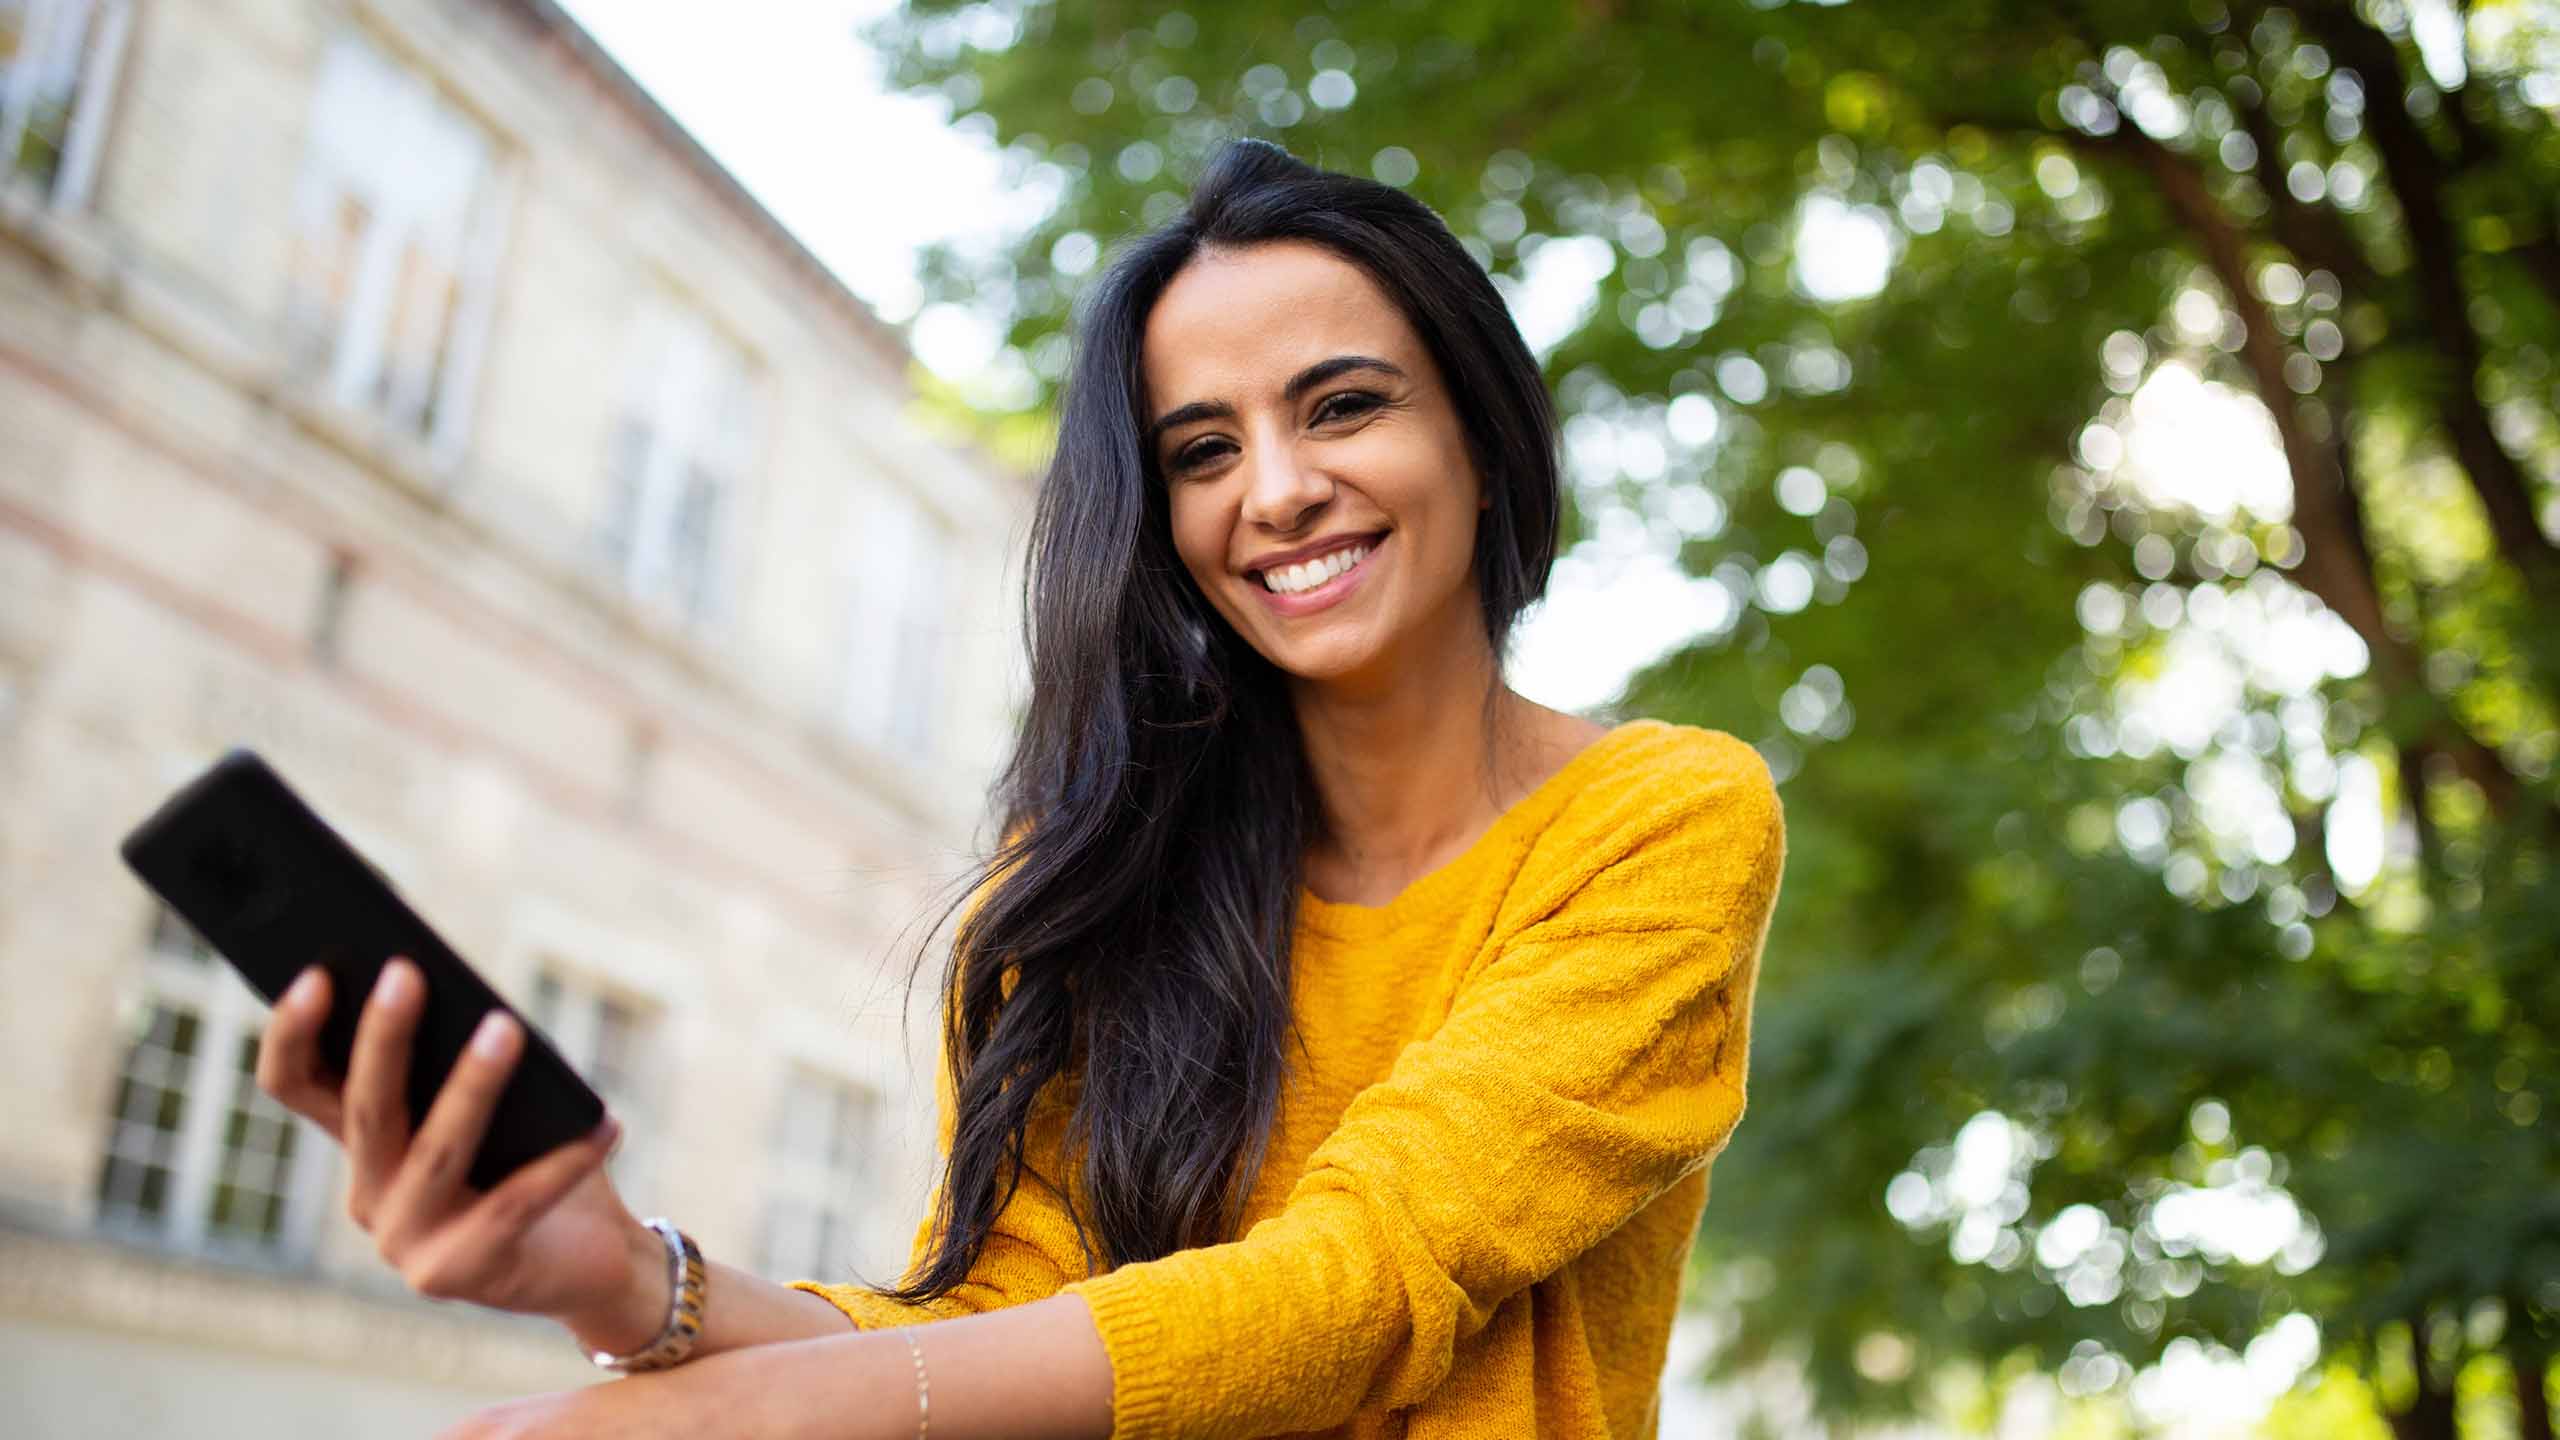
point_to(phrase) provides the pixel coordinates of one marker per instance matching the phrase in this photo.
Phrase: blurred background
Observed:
(2106, 456)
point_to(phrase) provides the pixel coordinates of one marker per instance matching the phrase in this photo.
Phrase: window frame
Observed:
(699, 399)
(640, 1099)
(93, 95)
(343, 346)
(890, 694)
(179, 972)
(836, 1186)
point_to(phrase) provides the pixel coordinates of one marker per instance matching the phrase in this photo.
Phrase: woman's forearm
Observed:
(1036, 1371)
(738, 1309)
(1030, 1372)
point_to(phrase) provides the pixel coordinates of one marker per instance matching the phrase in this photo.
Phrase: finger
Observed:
(500, 1218)
(429, 1185)
(529, 1194)
(289, 1066)
(376, 1100)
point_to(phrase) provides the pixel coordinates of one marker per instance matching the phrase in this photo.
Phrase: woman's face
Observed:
(1321, 491)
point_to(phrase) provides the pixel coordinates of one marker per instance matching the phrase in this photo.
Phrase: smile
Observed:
(1299, 579)
(1318, 583)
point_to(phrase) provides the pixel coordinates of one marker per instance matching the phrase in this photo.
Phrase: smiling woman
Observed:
(1338, 1041)
(1356, 456)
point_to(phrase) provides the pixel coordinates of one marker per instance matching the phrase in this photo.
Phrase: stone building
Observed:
(390, 386)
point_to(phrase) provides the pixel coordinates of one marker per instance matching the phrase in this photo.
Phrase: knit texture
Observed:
(1490, 1162)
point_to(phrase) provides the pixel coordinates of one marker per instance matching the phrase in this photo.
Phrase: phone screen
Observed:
(273, 889)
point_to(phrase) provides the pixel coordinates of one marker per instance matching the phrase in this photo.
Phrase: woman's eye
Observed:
(1341, 405)
(1195, 455)
(1345, 404)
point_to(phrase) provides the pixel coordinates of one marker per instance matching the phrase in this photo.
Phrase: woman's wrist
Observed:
(636, 1311)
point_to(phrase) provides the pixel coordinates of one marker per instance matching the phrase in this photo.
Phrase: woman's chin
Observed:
(1367, 654)
(1351, 659)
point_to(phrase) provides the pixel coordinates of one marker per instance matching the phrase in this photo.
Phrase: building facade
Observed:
(391, 387)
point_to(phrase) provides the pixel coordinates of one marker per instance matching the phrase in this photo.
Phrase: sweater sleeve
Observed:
(1590, 1060)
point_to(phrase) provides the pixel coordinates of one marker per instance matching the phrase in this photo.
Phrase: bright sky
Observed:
(786, 95)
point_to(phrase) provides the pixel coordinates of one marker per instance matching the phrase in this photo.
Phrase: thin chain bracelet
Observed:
(924, 1387)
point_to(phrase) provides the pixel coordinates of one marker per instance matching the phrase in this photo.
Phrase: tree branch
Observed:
(2541, 260)
(2311, 232)
(2413, 793)
(2337, 563)
(2415, 172)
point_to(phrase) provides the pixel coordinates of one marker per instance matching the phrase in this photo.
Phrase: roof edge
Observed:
(583, 48)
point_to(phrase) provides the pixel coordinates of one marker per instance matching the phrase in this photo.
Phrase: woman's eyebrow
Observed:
(1299, 384)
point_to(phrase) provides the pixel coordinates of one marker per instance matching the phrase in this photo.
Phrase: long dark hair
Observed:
(1131, 937)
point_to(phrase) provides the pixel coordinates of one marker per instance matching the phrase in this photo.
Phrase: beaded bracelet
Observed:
(924, 1409)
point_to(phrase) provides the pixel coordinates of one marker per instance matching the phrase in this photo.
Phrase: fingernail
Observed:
(300, 991)
(491, 1038)
(395, 983)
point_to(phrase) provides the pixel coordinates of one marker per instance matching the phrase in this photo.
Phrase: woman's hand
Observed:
(552, 1239)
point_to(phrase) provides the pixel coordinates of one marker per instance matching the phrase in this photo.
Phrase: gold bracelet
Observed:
(924, 1389)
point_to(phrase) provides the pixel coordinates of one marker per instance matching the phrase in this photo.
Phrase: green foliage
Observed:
(2014, 907)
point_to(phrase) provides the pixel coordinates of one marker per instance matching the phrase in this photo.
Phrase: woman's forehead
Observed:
(1233, 318)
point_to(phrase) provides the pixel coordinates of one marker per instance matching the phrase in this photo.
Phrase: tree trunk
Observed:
(2430, 1413)
(2531, 1357)
(2429, 1417)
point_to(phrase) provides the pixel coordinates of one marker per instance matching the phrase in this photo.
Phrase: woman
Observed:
(1362, 1031)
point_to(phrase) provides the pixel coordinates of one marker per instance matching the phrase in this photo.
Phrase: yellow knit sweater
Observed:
(1486, 1175)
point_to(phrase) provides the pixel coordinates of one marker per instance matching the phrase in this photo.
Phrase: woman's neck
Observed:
(1410, 774)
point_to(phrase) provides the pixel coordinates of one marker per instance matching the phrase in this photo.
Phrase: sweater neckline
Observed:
(1436, 890)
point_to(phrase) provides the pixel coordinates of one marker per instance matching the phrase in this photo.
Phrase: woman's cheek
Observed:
(1201, 553)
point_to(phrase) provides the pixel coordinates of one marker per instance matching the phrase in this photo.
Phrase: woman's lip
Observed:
(1316, 552)
(1324, 596)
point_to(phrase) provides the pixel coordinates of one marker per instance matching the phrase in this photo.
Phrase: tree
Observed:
(2064, 994)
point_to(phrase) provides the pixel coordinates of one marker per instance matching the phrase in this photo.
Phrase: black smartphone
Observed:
(265, 881)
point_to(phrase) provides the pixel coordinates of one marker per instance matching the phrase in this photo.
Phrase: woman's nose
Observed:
(1282, 492)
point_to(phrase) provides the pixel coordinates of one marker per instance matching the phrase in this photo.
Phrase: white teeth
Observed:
(1296, 579)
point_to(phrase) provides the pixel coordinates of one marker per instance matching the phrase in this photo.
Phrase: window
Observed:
(679, 452)
(825, 1142)
(396, 222)
(58, 62)
(897, 624)
(57, 78)
(196, 1154)
(606, 1038)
